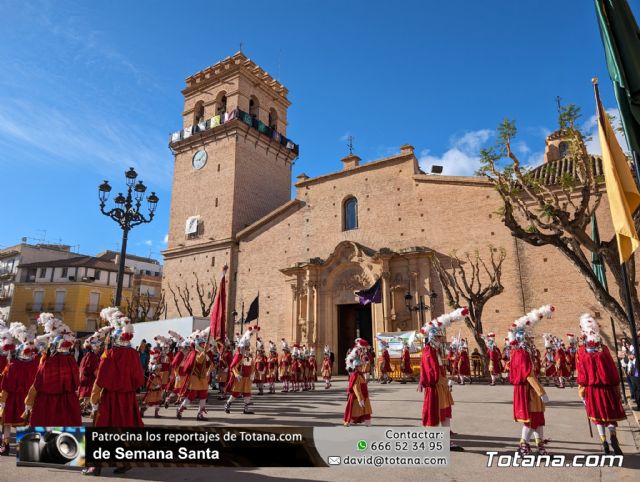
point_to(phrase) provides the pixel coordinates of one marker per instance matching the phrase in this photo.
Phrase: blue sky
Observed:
(90, 88)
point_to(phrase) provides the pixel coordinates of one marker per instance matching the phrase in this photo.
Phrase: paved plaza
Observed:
(481, 419)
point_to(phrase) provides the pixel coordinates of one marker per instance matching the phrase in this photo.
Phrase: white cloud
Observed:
(461, 159)
(590, 127)
(148, 242)
(80, 136)
(522, 148)
(166, 238)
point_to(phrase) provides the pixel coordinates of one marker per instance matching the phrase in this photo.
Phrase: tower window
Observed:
(350, 214)
(221, 104)
(253, 107)
(564, 149)
(198, 113)
(273, 119)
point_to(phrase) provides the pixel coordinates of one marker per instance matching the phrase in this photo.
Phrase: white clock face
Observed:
(199, 159)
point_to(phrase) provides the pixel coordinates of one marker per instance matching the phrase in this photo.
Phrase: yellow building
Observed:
(73, 289)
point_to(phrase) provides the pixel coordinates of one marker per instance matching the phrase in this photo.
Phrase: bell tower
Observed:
(232, 166)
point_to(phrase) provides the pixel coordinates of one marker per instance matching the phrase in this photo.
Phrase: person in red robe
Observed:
(548, 363)
(120, 375)
(175, 380)
(312, 363)
(195, 372)
(562, 370)
(88, 371)
(260, 373)
(437, 403)
(284, 368)
(495, 359)
(240, 372)
(223, 366)
(296, 369)
(52, 400)
(272, 367)
(385, 363)
(358, 409)
(405, 363)
(599, 385)
(154, 386)
(18, 377)
(327, 367)
(529, 397)
(464, 366)
(571, 356)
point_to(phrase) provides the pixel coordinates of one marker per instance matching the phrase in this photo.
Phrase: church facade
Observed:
(307, 254)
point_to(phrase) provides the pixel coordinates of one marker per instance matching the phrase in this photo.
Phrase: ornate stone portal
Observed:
(319, 287)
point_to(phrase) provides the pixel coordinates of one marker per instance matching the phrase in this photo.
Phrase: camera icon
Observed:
(52, 448)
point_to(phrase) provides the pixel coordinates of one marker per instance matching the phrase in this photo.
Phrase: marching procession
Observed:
(42, 385)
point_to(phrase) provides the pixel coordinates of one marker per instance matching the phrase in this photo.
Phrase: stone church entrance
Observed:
(354, 321)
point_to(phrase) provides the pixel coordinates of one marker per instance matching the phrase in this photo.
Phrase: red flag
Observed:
(219, 310)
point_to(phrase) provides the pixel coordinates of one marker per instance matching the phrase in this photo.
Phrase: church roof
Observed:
(230, 64)
(550, 173)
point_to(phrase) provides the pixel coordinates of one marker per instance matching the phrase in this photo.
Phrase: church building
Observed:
(307, 253)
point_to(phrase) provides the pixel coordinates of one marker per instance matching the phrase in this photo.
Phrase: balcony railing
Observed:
(91, 309)
(55, 307)
(7, 274)
(35, 307)
(236, 114)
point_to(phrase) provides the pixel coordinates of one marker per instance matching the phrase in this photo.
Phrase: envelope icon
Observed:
(334, 460)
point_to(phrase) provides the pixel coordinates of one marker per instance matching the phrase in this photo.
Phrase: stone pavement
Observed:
(481, 417)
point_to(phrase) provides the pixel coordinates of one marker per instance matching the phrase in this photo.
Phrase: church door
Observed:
(354, 321)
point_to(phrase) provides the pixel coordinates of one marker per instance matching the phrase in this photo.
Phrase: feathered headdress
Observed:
(327, 350)
(245, 339)
(121, 326)
(528, 321)
(437, 326)
(285, 345)
(353, 360)
(176, 337)
(24, 337)
(272, 347)
(259, 344)
(7, 343)
(591, 331)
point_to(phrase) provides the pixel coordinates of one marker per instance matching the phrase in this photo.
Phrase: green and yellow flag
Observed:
(622, 192)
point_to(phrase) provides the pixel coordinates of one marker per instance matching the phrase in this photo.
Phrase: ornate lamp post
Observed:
(421, 307)
(127, 215)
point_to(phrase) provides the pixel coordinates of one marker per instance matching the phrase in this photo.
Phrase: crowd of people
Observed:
(42, 384)
(585, 359)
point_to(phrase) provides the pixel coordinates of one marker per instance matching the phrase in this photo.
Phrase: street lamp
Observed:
(421, 307)
(127, 215)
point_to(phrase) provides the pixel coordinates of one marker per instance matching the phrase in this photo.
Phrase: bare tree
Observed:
(175, 299)
(472, 282)
(558, 213)
(204, 294)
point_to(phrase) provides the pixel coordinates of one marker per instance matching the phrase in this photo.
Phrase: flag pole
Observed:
(631, 318)
(626, 291)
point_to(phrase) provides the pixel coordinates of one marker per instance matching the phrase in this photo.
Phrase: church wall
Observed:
(257, 165)
(443, 214)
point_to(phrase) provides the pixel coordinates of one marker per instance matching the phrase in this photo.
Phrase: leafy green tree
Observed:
(558, 213)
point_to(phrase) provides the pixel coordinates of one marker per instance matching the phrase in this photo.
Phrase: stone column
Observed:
(316, 307)
(414, 278)
(386, 300)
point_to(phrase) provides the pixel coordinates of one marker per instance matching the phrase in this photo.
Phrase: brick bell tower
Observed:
(232, 166)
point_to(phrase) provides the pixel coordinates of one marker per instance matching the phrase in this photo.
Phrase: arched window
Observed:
(198, 113)
(273, 119)
(253, 107)
(350, 214)
(221, 104)
(564, 149)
